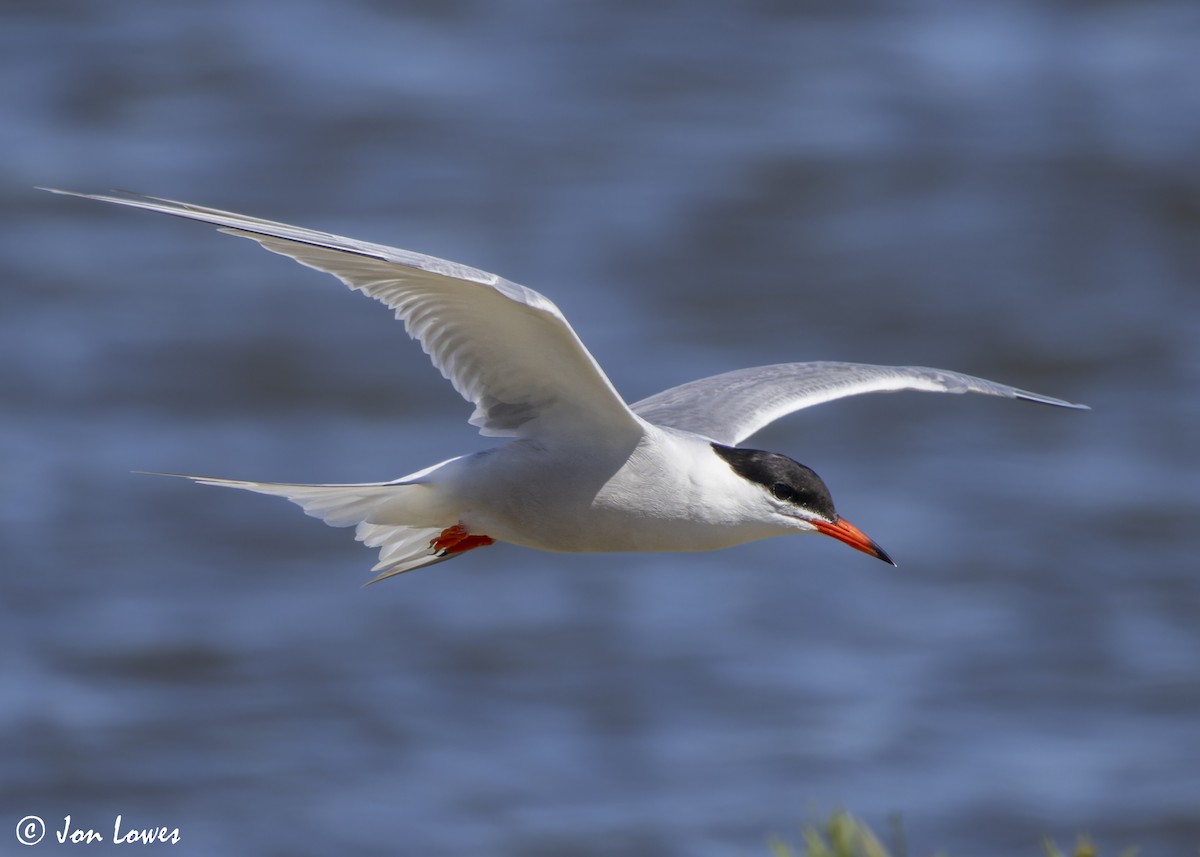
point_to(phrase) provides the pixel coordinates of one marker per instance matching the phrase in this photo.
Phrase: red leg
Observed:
(456, 539)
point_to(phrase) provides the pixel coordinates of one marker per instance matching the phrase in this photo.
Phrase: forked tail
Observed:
(400, 518)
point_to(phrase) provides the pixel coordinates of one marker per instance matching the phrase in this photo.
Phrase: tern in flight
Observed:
(582, 470)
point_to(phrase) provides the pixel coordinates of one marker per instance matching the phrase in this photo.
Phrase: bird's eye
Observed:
(783, 491)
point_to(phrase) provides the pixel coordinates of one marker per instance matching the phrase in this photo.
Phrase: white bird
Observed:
(583, 471)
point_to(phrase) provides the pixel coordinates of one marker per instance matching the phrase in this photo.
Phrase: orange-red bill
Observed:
(844, 531)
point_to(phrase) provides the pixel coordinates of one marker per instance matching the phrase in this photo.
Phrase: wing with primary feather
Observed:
(504, 347)
(729, 408)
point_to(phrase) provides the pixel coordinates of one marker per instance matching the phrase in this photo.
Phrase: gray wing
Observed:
(729, 408)
(504, 347)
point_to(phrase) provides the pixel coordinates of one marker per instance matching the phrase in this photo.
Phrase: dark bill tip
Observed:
(847, 533)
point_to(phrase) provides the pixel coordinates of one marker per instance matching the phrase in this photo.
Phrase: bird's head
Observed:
(797, 495)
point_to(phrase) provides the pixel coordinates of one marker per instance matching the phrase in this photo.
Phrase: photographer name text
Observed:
(32, 829)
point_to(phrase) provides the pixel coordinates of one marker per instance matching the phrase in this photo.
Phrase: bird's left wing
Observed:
(729, 408)
(504, 347)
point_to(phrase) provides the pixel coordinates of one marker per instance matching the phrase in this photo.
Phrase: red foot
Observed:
(456, 539)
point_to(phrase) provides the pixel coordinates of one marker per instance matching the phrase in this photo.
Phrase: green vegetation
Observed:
(843, 835)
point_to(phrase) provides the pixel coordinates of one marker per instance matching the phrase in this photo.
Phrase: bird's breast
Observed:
(652, 497)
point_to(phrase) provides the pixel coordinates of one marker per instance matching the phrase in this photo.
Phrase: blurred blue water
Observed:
(1005, 189)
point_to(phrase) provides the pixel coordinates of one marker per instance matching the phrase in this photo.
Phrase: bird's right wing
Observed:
(503, 346)
(729, 408)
